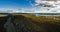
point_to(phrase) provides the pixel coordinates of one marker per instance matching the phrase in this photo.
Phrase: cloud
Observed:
(20, 10)
(6, 10)
(48, 6)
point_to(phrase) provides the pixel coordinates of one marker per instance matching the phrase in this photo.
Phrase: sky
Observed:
(16, 3)
(29, 6)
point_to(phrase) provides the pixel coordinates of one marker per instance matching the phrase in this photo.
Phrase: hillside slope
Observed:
(39, 24)
(31, 23)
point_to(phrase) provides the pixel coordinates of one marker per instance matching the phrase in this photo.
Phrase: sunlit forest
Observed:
(32, 23)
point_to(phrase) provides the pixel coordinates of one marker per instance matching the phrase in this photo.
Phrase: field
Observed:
(35, 23)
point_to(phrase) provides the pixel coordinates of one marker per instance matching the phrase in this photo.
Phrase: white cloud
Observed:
(20, 10)
(47, 6)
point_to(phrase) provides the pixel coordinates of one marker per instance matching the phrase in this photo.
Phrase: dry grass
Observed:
(49, 23)
(43, 18)
(40, 18)
(1, 15)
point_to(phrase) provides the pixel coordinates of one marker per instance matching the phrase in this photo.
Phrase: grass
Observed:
(39, 19)
(43, 18)
(49, 23)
